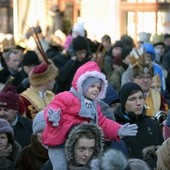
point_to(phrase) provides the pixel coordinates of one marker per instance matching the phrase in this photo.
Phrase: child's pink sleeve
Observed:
(110, 127)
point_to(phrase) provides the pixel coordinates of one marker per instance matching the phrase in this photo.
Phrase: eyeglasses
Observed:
(142, 77)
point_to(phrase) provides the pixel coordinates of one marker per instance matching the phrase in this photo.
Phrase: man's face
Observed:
(81, 54)
(135, 103)
(14, 61)
(161, 48)
(144, 80)
(84, 150)
(8, 114)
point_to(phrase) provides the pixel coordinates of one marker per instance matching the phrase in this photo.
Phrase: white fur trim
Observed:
(95, 74)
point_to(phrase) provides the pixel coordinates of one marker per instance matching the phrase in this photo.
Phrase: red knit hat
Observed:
(9, 98)
(42, 73)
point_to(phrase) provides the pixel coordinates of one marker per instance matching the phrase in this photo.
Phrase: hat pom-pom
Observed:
(40, 68)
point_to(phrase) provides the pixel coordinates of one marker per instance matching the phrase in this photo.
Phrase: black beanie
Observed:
(159, 43)
(79, 43)
(126, 51)
(126, 90)
(30, 58)
(118, 44)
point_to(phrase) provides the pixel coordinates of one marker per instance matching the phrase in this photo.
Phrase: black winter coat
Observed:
(5, 74)
(23, 131)
(149, 132)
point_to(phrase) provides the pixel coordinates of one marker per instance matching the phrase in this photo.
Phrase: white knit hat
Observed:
(38, 123)
(79, 27)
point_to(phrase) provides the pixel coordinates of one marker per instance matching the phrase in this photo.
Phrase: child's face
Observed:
(93, 91)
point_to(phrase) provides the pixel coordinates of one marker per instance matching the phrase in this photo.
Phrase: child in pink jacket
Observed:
(79, 105)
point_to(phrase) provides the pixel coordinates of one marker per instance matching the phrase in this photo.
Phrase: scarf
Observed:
(88, 107)
(6, 152)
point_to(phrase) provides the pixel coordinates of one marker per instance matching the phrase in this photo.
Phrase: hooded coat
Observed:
(70, 106)
(9, 162)
(70, 145)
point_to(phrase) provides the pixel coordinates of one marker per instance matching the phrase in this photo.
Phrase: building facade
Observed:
(112, 17)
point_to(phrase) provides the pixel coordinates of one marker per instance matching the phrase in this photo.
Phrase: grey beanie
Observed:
(6, 128)
(38, 123)
(89, 82)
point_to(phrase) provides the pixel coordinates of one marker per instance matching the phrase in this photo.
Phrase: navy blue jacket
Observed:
(23, 131)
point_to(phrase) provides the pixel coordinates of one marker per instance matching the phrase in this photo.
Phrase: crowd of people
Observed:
(86, 105)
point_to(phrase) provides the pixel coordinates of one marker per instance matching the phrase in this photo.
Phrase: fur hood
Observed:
(113, 159)
(110, 160)
(89, 69)
(9, 162)
(76, 133)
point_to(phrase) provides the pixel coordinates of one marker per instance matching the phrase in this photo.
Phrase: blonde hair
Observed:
(156, 83)
(156, 79)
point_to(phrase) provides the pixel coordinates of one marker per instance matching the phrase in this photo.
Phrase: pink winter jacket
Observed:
(70, 107)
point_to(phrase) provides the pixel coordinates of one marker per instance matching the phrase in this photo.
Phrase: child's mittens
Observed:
(54, 116)
(128, 130)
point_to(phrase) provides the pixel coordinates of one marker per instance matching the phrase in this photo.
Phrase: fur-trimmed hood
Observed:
(89, 69)
(77, 133)
(42, 74)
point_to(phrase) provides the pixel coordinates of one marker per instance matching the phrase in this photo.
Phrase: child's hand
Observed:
(54, 116)
(128, 130)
